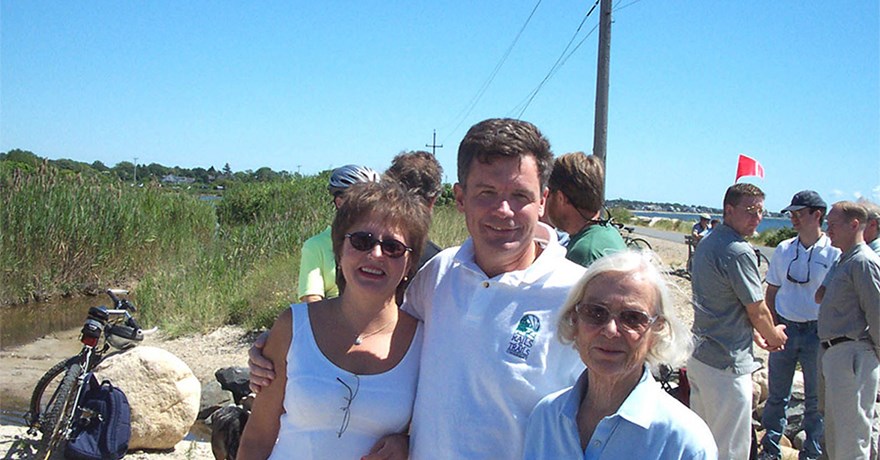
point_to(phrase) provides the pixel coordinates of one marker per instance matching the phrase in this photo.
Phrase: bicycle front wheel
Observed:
(638, 244)
(56, 418)
(46, 391)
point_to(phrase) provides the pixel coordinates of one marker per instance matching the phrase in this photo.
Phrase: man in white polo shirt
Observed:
(490, 306)
(796, 270)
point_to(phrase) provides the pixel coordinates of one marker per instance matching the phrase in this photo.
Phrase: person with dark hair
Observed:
(796, 270)
(574, 205)
(729, 310)
(849, 334)
(358, 351)
(488, 306)
(317, 268)
(422, 174)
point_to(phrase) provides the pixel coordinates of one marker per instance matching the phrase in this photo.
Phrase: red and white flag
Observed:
(748, 166)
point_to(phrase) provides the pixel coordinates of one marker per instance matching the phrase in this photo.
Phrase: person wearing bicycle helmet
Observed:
(317, 268)
(575, 204)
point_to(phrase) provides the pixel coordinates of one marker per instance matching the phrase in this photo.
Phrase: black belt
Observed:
(826, 344)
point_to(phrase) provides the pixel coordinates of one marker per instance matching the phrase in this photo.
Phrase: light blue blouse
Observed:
(650, 424)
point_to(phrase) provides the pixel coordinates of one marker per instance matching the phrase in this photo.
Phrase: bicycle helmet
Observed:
(123, 337)
(348, 175)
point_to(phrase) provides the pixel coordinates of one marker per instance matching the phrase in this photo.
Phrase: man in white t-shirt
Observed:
(796, 270)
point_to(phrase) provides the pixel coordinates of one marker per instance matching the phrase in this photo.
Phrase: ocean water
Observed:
(768, 223)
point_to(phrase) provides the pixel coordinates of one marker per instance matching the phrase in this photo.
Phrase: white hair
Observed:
(673, 342)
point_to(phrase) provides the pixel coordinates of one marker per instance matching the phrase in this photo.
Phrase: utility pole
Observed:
(600, 129)
(135, 171)
(434, 145)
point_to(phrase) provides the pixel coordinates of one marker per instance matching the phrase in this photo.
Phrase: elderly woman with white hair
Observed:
(621, 320)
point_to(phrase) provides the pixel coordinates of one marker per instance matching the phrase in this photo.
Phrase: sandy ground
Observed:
(23, 366)
(227, 346)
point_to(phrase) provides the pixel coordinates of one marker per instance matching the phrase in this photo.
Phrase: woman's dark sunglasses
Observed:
(597, 315)
(365, 241)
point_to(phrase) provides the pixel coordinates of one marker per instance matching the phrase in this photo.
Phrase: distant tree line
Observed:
(146, 173)
(665, 207)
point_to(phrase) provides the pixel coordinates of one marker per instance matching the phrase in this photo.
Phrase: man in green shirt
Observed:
(575, 204)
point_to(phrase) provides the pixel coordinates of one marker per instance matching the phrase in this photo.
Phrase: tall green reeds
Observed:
(249, 271)
(61, 233)
(194, 265)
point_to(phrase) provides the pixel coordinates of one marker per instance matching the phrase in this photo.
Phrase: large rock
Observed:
(213, 398)
(163, 393)
(234, 379)
(760, 389)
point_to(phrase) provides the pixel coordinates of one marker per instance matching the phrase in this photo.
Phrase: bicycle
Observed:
(632, 242)
(52, 412)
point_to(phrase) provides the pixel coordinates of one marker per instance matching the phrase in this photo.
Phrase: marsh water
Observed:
(25, 323)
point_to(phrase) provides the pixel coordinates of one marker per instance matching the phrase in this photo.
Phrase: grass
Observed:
(65, 233)
(193, 265)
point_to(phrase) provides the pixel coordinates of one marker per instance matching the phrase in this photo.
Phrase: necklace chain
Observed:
(360, 338)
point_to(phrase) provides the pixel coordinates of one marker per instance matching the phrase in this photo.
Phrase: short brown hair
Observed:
(419, 172)
(853, 211)
(504, 137)
(389, 203)
(736, 192)
(581, 178)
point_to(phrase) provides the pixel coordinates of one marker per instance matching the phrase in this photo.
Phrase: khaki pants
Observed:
(724, 401)
(850, 374)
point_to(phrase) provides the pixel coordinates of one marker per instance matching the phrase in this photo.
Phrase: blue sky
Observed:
(306, 86)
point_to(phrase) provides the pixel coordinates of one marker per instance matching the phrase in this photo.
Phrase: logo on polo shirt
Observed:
(524, 336)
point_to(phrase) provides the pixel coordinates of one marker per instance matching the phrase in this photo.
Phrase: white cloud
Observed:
(876, 193)
(858, 195)
(836, 194)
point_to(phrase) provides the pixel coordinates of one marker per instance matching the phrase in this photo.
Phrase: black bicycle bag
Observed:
(103, 423)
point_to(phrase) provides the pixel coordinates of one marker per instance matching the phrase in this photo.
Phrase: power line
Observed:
(559, 61)
(627, 5)
(485, 86)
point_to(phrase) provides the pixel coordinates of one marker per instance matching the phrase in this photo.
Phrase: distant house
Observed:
(177, 180)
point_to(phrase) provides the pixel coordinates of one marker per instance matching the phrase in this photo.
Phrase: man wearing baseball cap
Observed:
(796, 270)
(701, 228)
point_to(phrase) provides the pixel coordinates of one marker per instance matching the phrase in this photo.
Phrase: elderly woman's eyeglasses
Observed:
(346, 409)
(598, 316)
(365, 241)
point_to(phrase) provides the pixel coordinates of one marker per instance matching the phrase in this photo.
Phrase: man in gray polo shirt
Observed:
(849, 331)
(728, 307)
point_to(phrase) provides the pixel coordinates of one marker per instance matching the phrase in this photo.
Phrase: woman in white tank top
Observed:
(347, 367)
